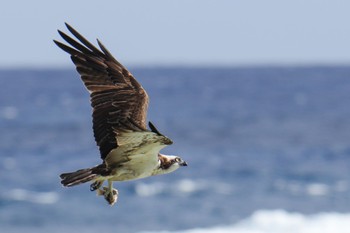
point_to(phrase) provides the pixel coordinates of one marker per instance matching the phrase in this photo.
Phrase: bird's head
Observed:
(169, 163)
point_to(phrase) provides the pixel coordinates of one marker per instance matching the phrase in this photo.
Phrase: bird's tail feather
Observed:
(81, 176)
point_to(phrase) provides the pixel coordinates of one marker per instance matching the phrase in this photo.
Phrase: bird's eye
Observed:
(177, 160)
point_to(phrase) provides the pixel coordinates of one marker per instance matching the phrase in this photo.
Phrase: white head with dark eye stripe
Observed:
(169, 163)
(177, 160)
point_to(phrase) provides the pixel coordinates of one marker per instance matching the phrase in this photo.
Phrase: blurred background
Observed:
(255, 95)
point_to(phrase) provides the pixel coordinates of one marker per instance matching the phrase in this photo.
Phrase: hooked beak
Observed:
(183, 164)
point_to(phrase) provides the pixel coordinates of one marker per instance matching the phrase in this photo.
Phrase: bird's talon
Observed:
(96, 185)
(111, 196)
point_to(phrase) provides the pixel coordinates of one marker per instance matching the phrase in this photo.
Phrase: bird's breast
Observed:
(139, 166)
(136, 156)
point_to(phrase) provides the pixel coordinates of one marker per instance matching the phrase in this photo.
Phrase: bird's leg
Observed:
(110, 194)
(96, 185)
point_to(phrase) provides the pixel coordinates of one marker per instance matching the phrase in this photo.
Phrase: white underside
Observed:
(141, 150)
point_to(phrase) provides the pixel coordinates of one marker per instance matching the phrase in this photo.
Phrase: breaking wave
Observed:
(278, 221)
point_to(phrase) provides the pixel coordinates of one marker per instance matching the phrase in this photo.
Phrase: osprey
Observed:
(128, 149)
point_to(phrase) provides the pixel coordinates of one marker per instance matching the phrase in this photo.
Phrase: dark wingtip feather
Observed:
(154, 129)
(70, 28)
(84, 41)
(66, 48)
(108, 54)
(67, 25)
(103, 48)
(74, 43)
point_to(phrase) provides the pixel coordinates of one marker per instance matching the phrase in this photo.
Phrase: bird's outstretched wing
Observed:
(119, 102)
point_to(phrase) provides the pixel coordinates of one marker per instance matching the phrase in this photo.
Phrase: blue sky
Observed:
(181, 32)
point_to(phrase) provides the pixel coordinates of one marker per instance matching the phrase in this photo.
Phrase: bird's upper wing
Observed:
(119, 102)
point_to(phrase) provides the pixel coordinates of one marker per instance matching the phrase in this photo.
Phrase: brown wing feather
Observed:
(119, 102)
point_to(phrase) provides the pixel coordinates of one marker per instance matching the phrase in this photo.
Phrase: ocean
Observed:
(268, 150)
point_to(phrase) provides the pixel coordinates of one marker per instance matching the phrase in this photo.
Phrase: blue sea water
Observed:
(268, 150)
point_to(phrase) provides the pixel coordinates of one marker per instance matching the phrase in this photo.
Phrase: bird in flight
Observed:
(128, 150)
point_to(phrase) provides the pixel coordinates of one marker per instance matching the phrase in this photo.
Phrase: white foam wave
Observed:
(31, 196)
(280, 221)
(182, 187)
